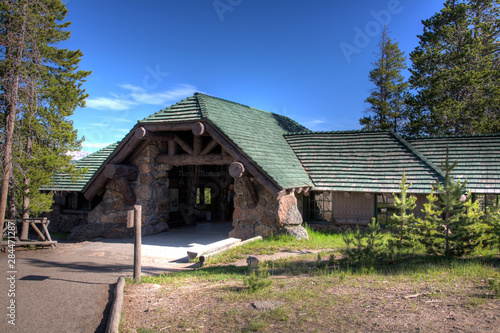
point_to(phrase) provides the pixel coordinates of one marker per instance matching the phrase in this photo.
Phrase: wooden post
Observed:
(172, 148)
(137, 242)
(197, 142)
(130, 218)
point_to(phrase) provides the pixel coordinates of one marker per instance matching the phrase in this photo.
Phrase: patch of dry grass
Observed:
(422, 294)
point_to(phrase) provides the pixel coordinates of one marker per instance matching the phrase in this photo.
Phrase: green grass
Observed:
(278, 243)
(60, 236)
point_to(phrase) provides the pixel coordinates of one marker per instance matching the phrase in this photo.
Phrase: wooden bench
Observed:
(43, 235)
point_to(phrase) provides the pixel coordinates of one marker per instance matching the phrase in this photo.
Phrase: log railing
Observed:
(43, 235)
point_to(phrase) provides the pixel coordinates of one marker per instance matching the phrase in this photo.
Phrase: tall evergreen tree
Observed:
(429, 229)
(450, 193)
(40, 88)
(456, 71)
(403, 221)
(387, 98)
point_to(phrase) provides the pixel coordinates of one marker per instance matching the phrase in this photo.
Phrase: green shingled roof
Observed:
(258, 134)
(477, 157)
(186, 110)
(63, 182)
(362, 161)
(292, 156)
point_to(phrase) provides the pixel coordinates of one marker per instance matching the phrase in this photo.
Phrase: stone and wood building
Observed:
(206, 158)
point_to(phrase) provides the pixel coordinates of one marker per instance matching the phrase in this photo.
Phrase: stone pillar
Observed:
(269, 216)
(289, 219)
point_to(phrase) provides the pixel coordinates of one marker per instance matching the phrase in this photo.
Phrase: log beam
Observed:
(249, 192)
(169, 127)
(126, 191)
(197, 142)
(187, 148)
(172, 148)
(185, 159)
(143, 133)
(209, 147)
(198, 129)
(115, 171)
(236, 169)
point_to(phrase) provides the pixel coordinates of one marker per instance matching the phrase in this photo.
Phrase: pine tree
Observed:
(472, 233)
(492, 219)
(456, 71)
(387, 99)
(430, 231)
(403, 222)
(363, 248)
(41, 87)
(450, 193)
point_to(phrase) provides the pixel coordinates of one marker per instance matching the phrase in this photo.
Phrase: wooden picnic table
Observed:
(43, 235)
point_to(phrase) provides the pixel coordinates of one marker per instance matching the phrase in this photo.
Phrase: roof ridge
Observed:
(337, 132)
(450, 136)
(197, 94)
(171, 108)
(205, 115)
(201, 105)
(418, 154)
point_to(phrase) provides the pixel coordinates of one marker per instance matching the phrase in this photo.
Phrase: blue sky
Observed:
(308, 60)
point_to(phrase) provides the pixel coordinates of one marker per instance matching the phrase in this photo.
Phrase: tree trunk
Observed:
(11, 100)
(26, 200)
(11, 201)
(7, 162)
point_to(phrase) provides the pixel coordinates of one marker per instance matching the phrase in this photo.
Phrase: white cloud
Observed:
(135, 95)
(142, 96)
(315, 122)
(105, 103)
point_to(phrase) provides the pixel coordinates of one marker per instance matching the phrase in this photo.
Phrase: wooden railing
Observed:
(10, 232)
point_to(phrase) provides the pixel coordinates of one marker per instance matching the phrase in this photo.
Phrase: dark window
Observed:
(385, 208)
(320, 206)
(486, 200)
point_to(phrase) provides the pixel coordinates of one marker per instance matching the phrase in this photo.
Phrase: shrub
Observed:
(363, 248)
(258, 279)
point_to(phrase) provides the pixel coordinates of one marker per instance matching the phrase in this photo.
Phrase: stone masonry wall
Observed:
(270, 216)
(151, 188)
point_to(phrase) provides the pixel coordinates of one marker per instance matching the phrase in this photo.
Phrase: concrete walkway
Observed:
(68, 289)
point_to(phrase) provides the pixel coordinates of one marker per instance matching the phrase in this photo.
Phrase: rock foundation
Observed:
(109, 218)
(270, 216)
